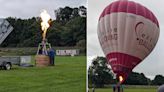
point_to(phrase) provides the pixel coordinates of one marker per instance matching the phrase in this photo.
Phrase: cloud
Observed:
(30, 8)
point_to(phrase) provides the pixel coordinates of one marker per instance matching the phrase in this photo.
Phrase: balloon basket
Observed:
(42, 59)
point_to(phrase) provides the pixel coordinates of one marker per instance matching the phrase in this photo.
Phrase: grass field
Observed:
(69, 75)
(130, 88)
(127, 90)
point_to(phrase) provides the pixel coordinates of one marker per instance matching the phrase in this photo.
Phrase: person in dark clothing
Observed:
(118, 88)
(93, 89)
(114, 88)
(122, 88)
(51, 54)
(40, 50)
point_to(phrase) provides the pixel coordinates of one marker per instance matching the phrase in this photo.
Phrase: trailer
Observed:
(6, 62)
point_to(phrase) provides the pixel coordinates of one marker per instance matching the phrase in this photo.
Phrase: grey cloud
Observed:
(30, 8)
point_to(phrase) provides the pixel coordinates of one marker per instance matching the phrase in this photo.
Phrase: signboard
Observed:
(68, 52)
(25, 59)
(5, 29)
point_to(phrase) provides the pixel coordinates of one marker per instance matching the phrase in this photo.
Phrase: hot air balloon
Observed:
(127, 33)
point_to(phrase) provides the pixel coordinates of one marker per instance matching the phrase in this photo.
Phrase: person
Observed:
(51, 54)
(122, 88)
(114, 88)
(93, 89)
(118, 87)
(40, 50)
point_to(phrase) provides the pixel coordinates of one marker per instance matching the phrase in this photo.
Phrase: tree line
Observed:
(67, 30)
(100, 74)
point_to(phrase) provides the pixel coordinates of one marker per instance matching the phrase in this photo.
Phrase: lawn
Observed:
(128, 90)
(69, 75)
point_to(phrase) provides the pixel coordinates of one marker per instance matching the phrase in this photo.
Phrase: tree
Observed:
(82, 11)
(82, 45)
(137, 79)
(75, 13)
(158, 80)
(75, 31)
(99, 73)
(63, 14)
(69, 29)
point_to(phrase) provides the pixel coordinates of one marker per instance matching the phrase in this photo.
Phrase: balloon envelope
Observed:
(127, 33)
(161, 88)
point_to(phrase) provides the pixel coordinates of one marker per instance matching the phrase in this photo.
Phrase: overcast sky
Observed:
(30, 8)
(154, 63)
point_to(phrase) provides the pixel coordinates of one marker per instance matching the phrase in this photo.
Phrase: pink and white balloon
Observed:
(127, 33)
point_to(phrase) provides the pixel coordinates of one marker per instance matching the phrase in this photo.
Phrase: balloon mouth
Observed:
(121, 77)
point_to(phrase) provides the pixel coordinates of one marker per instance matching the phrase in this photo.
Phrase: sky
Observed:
(150, 66)
(32, 8)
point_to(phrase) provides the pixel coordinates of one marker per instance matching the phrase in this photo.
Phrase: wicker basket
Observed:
(42, 60)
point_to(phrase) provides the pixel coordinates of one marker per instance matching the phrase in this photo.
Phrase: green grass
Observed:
(127, 90)
(69, 75)
(32, 50)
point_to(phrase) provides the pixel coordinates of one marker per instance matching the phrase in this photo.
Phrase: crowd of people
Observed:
(118, 88)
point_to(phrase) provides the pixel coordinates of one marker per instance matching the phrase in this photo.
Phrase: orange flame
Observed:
(121, 79)
(45, 17)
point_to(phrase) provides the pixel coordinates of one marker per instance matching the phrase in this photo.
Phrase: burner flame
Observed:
(45, 17)
(121, 79)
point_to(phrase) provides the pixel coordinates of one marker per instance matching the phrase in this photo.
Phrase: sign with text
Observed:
(5, 29)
